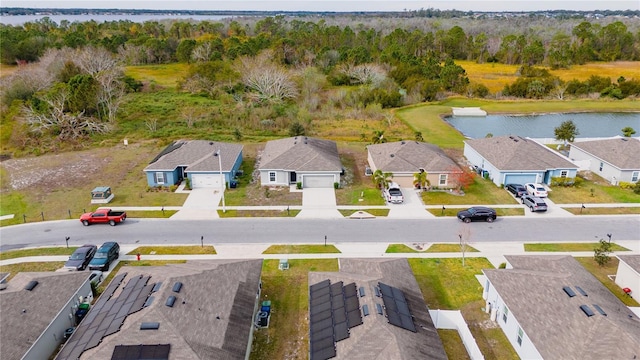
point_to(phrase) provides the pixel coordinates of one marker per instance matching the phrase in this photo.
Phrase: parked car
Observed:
(81, 257)
(534, 203)
(516, 189)
(103, 216)
(536, 190)
(477, 213)
(393, 194)
(108, 252)
(96, 277)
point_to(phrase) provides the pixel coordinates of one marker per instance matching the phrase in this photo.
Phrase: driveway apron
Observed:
(319, 203)
(411, 208)
(201, 204)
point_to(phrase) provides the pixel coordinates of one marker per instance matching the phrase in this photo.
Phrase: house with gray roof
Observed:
(405, 158)
(616, 159)
(200, 161)
(202, 309)
(310, 161)
(628, 273)
(384, 312)
(33, 322)
(517, 160)
(551, 307)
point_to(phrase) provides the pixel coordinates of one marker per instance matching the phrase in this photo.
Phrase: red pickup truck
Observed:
(103, 216)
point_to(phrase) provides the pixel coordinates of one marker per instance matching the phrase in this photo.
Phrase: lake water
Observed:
(21, 19)
(542, 126)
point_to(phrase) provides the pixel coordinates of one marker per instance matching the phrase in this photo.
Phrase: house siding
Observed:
(526, 350)
(170, 178)
(626, 277)
(405, 180)
(608, 171)
(282, 177)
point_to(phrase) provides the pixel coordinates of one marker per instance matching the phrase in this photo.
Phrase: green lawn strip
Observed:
(490, 338)
(301, 249)
(499, 211)
(453, 345)
(444, 248)
(589, 192)
(174, 250)
(588, 210)
(602, 273)
(568, 247)
(48, 251)
(258, 213)
(13, 269)
(400, 248)
(288, 291)
(482, 191)
(354, 195)
(151, 214)
(374, 212)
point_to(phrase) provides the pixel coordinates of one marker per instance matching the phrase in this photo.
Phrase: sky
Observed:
(330, 5)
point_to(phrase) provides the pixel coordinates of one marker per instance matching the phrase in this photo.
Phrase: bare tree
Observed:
(372, 74)
(202, 52)
(191, 116)
(95, 60)
(464, 235)
(268, 81)
(152, 124)
(112, 91)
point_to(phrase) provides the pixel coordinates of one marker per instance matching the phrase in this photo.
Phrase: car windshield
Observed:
(540, 189)
(101, 255)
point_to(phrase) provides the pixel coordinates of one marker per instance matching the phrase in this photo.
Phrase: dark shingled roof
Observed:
(623, 153)
(210, 319)
(632, 260)
(301, 153)
(376, 339)
(19, 330)
(518, 153)
(196, 155)
(558, 328)
(409, 156)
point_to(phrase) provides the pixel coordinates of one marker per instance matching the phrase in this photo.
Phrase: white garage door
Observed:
(318, 181)
(205, 181)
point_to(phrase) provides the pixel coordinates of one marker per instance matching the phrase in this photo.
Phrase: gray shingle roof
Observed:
(376, 339)
(632, 260)
(301, 153)
(624, 153)
(518, 153)
(409, 156)
(533, 292)
(213, 288)
(19, 330)
(197, 155)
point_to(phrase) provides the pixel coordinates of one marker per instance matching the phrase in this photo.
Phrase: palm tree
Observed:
(420, 180)
(381, 179)
(378, 137)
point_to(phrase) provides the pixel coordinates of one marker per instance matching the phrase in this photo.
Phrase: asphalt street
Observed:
(309, 231)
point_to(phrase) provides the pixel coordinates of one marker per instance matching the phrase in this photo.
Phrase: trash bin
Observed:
(233, 184)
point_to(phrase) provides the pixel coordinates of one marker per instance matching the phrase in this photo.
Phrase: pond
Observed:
(542, 126)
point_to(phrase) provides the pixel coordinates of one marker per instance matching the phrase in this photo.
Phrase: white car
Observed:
(536, 190)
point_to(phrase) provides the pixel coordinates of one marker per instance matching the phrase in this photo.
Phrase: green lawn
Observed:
(481, 192)
(13, 269)
(165, 75)
(288, 290)
(374, 212)
(400, 248)
(588, 210)
(490, 338)
(590, 192)
(151, 214)
(353, 195)
(46, 251)
(453, 345)
(301, 249)
(174, 250)
(445, 248)
(258, 213)
(568, 247)
(602, 273)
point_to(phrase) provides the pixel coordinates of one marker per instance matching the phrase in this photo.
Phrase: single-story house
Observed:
(370, 309)
(405, 158)
(201, 309)
(517, 160)
(616, 159)
(313, 162)
(628, 274)
(551, 307)
(34, 321)
(199, 161)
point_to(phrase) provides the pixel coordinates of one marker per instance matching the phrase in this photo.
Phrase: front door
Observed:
(292, 177)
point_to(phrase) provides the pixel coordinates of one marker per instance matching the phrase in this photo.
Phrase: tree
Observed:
(418, 136)
(381, 179)
(628, 131)
(378, 137)
(601, 253)
(268, 81)
(567, 131)
(464, 234)
(296, 129)
(420, 179)
(462, 178)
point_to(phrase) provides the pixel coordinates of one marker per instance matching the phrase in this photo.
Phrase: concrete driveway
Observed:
(201, 204)
(411, 208)
(319, 203)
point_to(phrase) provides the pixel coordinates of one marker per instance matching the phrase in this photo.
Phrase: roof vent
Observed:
(149, 326)
(392, 155)
(156, 287)
(170, 301)
(32, 284)
(210, 142)
(177, 286)
(148, 302)
(582, 292)
(587, 310)
(402, 142)
(569, 291)
(599, 309)
(623, 139)
(305, 141)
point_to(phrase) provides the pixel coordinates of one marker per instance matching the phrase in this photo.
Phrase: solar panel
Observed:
(320, 299)
(350, 290)
(352, 303)
(339, 316)
(326, 332)
(139, 352)
(599, 309)
(353, 318)
(323, 354)
(337, 302)
(320, 285)
(587, 310)
(395, 303)
(582, 292)
(341, 331)
(326, 306)
(322, 324)
(569, 291)
(323, 343)
(336, 288)
(321, 316)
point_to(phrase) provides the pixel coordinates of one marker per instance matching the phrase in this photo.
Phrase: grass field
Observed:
(301, 249)
(444, 248)
(481, 192)
(590, 210)
(400, 248)
(551, 247)
(592, 192)
(165, 75)
(46, 251)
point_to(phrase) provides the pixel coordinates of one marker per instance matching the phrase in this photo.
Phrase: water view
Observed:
(100, 18)
(542, 126)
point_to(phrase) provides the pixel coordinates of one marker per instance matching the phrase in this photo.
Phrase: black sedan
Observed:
(477, 213)
(81, 257)
(516, 189)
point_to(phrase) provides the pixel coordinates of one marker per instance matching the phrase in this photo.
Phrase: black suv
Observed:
(108, 252)
(516, 189)
(477, 213)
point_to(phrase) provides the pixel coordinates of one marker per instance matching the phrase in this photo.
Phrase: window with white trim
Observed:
(634, 176)
(520, 334)
(443, 180)
(272, 176)
(159, 178)
(564, 173)
(505, 313)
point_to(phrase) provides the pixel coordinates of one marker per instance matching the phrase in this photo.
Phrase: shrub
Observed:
(636, 189)
(336, 185)
(299, 185)
(626, 185)
(562, 181)
(502, 265)
(187, 183)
